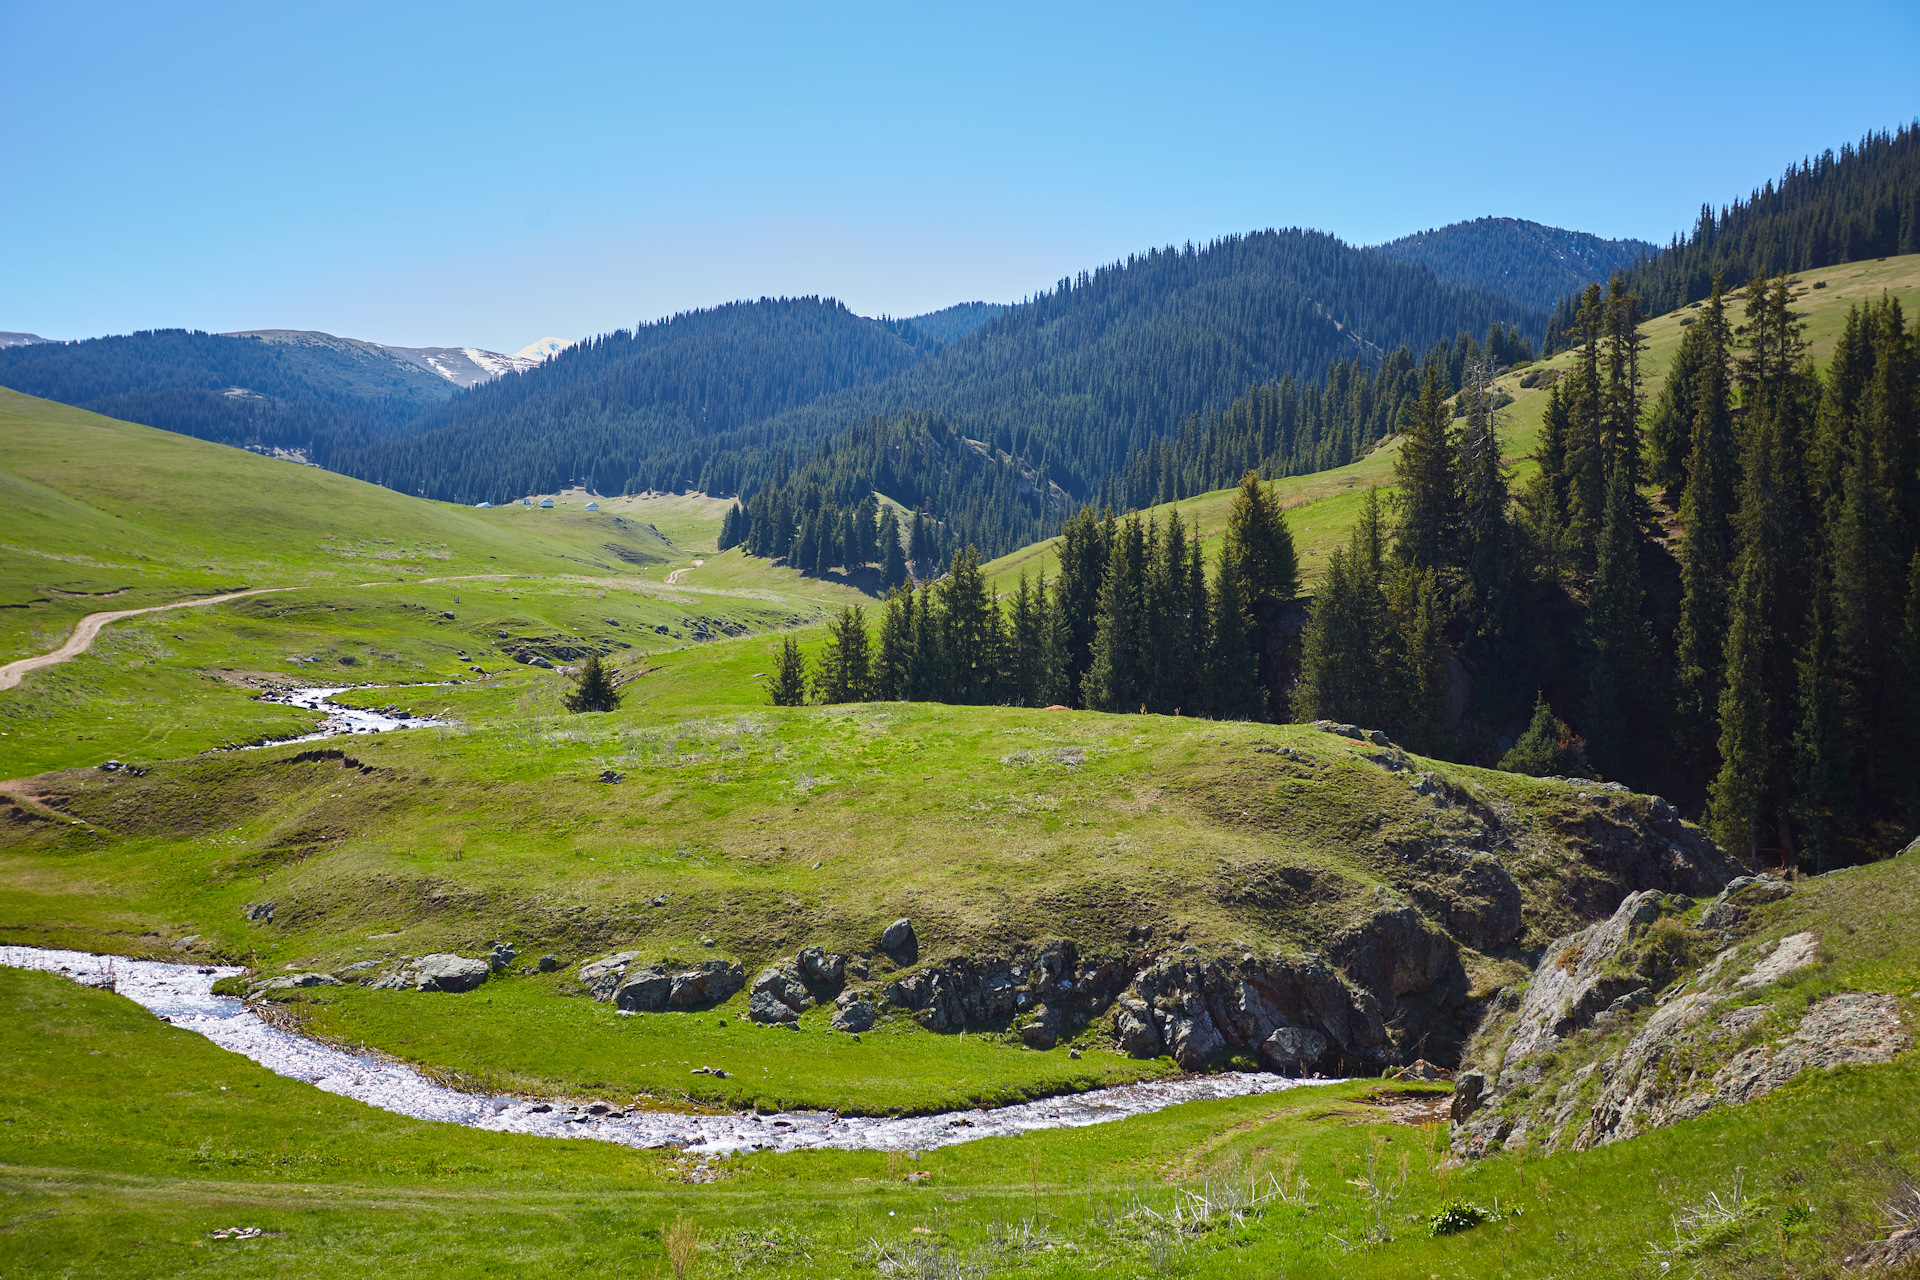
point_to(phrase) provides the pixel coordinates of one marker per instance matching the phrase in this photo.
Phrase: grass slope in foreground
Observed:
(124, 1142)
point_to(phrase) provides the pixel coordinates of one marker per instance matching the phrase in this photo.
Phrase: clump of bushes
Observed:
(1461, 1215)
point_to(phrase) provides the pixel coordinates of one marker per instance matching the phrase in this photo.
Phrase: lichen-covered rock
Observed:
(1740, 896)
(1043, 1028)
(1134, 1030)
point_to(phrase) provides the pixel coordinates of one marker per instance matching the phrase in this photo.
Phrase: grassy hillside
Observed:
(1324, 506)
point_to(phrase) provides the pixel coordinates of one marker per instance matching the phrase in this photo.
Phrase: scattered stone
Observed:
(258, 912)
(660, 901)
(642, 991)
(502, 957)
(709, 983)
(549, 964)
(609, 776)
(1420, 1069)
(783, 986)
(298, 981)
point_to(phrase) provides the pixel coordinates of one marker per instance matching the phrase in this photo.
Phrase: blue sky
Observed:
(487, 174)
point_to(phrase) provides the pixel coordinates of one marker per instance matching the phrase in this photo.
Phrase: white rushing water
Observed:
(345, 720)
(183, 995)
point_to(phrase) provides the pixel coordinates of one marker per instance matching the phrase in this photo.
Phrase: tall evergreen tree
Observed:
(1258, 548)
(1823, 775)
(1617, 635)
(893, 557)
(1231, 669)
(844, 672)
(1116, 679)
(593, 689)
(893, 666)
(1429, 482)
(1083, 570)
(1706, 553)
(789, 685)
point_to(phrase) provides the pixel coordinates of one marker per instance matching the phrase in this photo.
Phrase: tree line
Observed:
(1131, 623)
(1761, 663)
(1861, 203)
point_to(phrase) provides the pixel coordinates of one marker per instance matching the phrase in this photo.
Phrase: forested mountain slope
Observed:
(1863, 203)
(1537, 264)
(639, 409)
(239, 389)
(1069, 382)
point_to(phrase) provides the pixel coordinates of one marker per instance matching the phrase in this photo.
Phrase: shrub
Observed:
(593, 690)
(1457, 1217)
(1548, 747)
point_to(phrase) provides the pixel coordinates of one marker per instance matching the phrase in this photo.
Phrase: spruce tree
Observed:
(1823, 800)
(1083, 571)
(893, 667)
(1584, 440)
(1258, 548)
(1706, 552)
(1617, 636)
(1232, 669)
(789, 685)
(844, 672)
(1415, 708)
(1025, 637)
(1117, 676)
(1548, 748)
(593, 689)
(1906, 685)
(1341, 648)
(1739, 794)
(893, 557)
(1427, 472)
(969, 632)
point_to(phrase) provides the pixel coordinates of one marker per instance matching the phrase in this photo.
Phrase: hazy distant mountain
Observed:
(1539, 265)
(21, 339)
(950, 324)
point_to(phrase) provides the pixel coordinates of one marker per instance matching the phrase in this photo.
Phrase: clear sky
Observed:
(486, 174)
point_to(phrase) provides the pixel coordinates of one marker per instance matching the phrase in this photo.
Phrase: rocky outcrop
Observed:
(854, 1013)
(1709, 1040)
(778, 995)
(650, 988)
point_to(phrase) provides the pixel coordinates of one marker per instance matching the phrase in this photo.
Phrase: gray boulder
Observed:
(1293, 1050)
(764, 1006)
(502, 957)
(899, 941)
(447, 972)
(258, 912)
(642, 991)
(601, 977)
(783, 986)
(710, 983)
(549, 964)
(1469, 1087)
(854, 1014)
(822, 968)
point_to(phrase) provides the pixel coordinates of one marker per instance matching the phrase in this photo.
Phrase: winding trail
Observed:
(88, 630)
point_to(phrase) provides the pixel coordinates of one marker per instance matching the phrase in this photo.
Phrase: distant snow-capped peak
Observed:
(544, 349)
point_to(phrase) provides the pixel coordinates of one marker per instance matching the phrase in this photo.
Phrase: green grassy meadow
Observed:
(743, 831)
